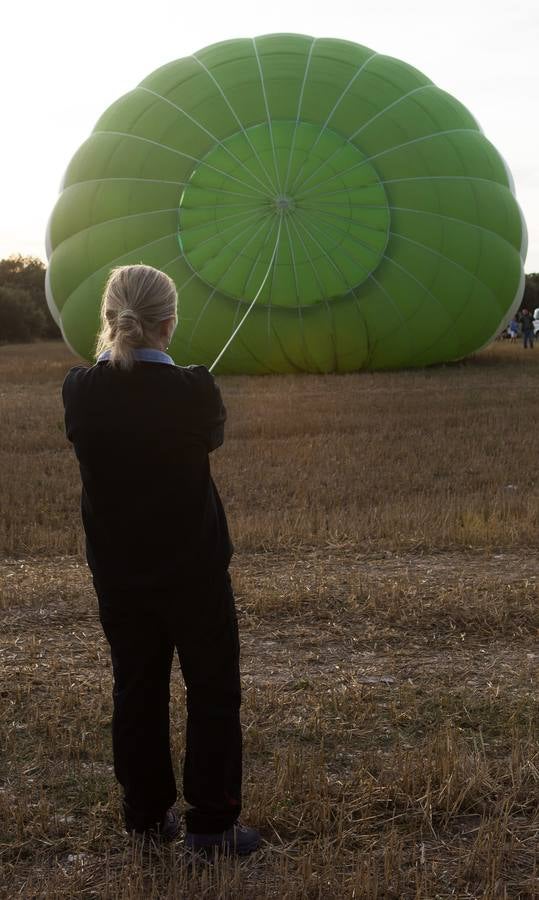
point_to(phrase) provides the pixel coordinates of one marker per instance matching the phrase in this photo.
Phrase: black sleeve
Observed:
(67, 390)
(210, 410)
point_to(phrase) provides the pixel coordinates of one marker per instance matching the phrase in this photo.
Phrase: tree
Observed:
(20, 318)
(530, 300)
(27, 274)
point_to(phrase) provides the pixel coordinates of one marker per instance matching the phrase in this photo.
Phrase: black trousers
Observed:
(143, 630)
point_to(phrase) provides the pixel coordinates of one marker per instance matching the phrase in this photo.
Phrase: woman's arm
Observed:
(211, 412)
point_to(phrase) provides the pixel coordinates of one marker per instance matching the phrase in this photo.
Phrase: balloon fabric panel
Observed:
(357, 204)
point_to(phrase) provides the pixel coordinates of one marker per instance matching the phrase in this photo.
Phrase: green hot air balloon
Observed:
(353, 209)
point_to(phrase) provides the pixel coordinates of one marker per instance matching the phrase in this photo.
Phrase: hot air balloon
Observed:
(320, 207)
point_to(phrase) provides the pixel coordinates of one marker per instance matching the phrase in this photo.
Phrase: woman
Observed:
(158, 548)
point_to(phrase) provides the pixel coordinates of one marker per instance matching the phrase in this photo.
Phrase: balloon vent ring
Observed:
(284, 204)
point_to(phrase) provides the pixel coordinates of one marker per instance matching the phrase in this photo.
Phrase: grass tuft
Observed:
(386, 581)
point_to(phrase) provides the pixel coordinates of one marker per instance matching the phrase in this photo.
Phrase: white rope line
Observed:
(296, 123)
(257, 258)
(296, 285)
(472, 178)
(200, 315)
(452, 325)
(347, 234)
(423, 212)
(329, 215)
(325, 298)
(469, 178)
(294, 366)
(137, 137)
(186, 282)
(332, 113)
(425, 247)
(234, 333)
(263, 86)
(363, 318)
(329, 225)
(251, 239)
(254, 203)
(310, 261)
(196, 187)
(216, 287)
(214, 237)
(366, 124)
(169, 263)
(348, 255)
(237, 118)
(163, 268)
(270, 296)
(112, 262)
(448, 259)
(339, 271)
(417, 281)
(212, 222)
(393, 303)
(380, 286)
(387, 150)
(370, 275)
(108, 178)
(150, 212)
(215, 190)
(317, 202)
(293, 255)
(207, 131)
(426, 212)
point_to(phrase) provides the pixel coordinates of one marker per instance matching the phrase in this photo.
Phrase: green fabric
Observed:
(379, 219)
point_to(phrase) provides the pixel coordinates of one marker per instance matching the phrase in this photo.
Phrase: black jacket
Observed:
(527, 323)
(151, 512)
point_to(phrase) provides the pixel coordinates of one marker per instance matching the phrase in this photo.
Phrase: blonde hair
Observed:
(135, 301)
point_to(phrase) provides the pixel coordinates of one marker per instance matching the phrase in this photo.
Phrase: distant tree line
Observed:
(24, 314)
(530, 299)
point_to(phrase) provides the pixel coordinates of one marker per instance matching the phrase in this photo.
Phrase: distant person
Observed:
(158, 547)
(526, 323)
(512, 329)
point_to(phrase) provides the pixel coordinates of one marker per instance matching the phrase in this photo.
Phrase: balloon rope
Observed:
(253, 301)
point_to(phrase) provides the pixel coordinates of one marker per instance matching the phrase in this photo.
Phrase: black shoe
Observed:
(164, 832)
(236, 841)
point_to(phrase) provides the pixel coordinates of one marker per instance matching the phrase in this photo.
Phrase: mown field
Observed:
(386, 528)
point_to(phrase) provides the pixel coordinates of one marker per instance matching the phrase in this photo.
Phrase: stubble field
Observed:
(386, 530)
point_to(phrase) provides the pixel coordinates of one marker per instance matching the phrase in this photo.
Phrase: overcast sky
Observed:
(62, 63)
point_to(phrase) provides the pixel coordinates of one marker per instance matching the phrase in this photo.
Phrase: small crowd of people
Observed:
(523, 326)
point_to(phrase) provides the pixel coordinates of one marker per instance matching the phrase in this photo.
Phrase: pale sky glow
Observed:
(62, 63)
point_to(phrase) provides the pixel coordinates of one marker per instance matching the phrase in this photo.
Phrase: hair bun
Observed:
(130, 325)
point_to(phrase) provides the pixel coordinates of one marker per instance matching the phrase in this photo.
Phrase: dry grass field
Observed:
(386, 528)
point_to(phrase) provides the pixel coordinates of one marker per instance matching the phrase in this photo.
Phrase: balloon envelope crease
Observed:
(359, 205)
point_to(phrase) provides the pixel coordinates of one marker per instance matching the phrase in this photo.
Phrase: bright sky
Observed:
(62, 63)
